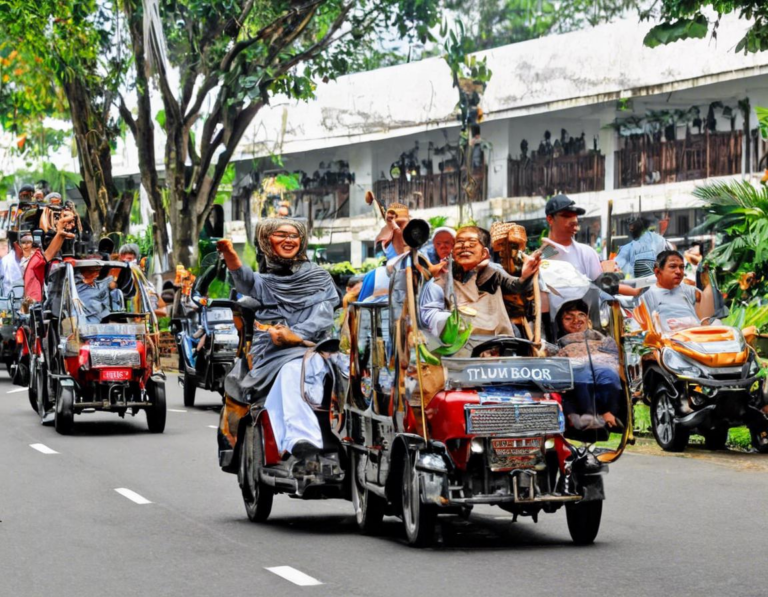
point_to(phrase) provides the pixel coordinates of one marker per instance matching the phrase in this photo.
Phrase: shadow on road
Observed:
(480, 532)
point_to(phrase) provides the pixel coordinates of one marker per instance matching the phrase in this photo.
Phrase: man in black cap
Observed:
(563, 219)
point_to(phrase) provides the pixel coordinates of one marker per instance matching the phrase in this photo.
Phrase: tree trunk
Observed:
(144, 135)
(94, 153)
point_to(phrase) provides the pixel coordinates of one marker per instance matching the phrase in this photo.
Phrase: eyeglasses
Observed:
(575, 316)
(281, 236)
(470, 244)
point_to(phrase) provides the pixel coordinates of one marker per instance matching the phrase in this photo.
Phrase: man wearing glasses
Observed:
(478, 285)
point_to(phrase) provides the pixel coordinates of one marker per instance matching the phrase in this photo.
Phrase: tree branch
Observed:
(126, 115)
(265, 32)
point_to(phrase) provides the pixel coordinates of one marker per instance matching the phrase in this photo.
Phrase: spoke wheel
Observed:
(671, 436)
(419, 519)
(190, 389)
(65, 410)
(257, 496)
(584, 521)
(369, 507)
(156, 413)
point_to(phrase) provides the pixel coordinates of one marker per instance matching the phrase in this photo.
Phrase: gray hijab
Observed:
(268, 226)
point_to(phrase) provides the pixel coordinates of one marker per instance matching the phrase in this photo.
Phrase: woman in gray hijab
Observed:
(296, 299)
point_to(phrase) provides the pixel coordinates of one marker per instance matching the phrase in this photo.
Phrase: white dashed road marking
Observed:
(213, 426)
(176, 410)
(132, 495)
(17, 390)
(42, 448)
(297, 577)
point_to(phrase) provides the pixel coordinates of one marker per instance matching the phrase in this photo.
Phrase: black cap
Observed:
(27, 188)
(560, 203)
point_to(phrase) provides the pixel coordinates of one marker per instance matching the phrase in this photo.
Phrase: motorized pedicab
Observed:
(111, 365)
(434, 428)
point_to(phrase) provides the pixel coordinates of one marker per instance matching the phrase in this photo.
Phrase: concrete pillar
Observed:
(497, 134)
(362, 162)
(608, 144)
(356, 253)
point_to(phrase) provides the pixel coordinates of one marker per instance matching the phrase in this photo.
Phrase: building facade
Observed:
(593, 114)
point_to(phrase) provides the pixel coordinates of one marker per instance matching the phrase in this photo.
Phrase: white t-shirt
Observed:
(583, 257)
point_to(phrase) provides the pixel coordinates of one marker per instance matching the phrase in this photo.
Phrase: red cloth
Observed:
(34, 276)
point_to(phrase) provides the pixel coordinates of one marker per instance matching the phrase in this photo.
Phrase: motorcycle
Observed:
(701, 379)
(205, 332)
(247, 444)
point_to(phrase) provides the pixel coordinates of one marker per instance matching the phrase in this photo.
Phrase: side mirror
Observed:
(416, 233)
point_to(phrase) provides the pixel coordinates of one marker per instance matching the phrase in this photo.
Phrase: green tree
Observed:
(232, 57)
(685, 19)
(494, 23)
(73, 56)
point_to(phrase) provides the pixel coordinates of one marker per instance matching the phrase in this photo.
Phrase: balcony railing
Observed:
(432, 190)
(549, 175)
(644, 161)
(322, 202)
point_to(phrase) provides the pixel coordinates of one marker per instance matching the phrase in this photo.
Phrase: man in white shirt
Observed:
(563, 219)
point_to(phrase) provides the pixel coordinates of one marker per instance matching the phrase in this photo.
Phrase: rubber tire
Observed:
(419, 519)
(32, 392)
(676, 438)
(584, 521)
(762, 449)
(257, 497)
(65, 411)
(716, 439)
(190, 389)
(42, 393)
(369, 507)
(156, 414)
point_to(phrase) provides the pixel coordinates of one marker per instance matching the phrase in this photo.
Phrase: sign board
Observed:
(553, 373)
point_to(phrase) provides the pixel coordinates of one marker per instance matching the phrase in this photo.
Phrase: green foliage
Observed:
(670, 32)
(339, 269)
(437, 222)
(59, 180)
(224, 192)
(642, 419)
(135, 217)
(164, 324)
(746, 315)
(738, 211)
(493, 23)
(371, 264)
(685, 19)
(144, 240)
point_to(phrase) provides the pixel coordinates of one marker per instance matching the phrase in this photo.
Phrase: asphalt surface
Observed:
(671, 526)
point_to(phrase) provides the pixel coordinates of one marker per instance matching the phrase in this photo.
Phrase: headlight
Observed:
(432, 463)
(754, 367)
(477, 446)
(678, 364)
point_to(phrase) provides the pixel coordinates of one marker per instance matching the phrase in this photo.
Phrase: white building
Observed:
(362, 124)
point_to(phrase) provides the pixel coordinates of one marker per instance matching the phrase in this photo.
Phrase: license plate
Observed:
(516, 447)
(115, 374)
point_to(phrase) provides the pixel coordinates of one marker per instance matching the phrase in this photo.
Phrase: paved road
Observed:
(671, 526)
